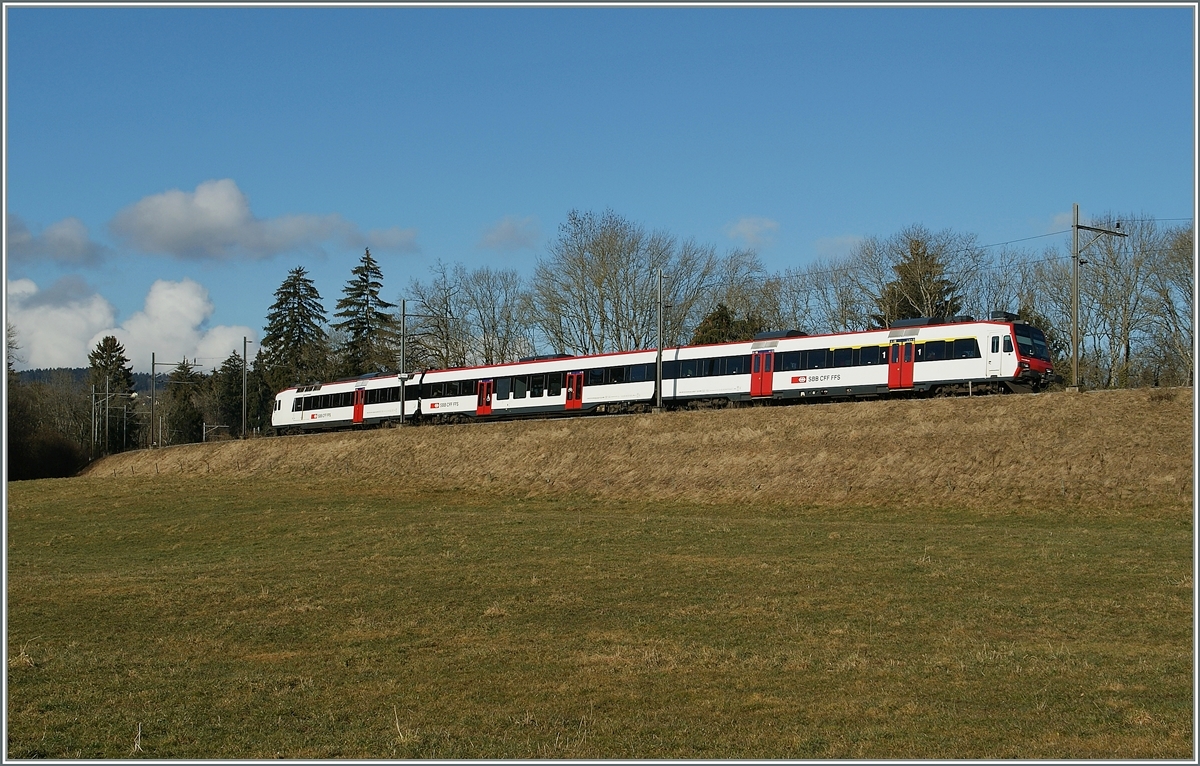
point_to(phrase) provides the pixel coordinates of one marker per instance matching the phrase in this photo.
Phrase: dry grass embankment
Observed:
(1099, 450)
(1003, 577)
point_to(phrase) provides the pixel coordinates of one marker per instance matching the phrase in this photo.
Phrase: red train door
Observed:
(900, 364)
(360, 394)
(762, 369)
(574, 390)
(484, 390)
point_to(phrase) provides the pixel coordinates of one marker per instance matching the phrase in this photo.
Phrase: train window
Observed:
(615, 374)
(1008, 344)
(843, 357)
(554, 383)
(788, 360)
(503, 386)
(1032, 342)
(520, 385)
(966, 348)
(935, 350)
(537, 385)
(817, 359)
(640, 372)
(687, 368)
(736, 365)
(873, 355)
(995, 344)
(297, 404)
(595, 377)
(704, 368)
(670, 370)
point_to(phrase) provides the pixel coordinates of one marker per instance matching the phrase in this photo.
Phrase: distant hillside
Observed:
(79, 376)
(1099, 451)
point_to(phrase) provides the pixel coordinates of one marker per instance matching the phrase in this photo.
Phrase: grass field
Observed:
(227, 615)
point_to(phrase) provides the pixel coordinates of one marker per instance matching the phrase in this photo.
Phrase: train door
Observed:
(900, 364)
(485, 390)
(360, 395)
(574, 390)
(762, 369)
(993, 356)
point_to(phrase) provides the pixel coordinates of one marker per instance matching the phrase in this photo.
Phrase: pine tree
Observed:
(919, 290)
(227, 383)
(185, 421)
(721, 326)
(295, 345)
(112, 377)
(371, 334)
(110, 366)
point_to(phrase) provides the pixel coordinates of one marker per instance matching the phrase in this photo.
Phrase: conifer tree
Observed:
(721, 326)
(371, 333)
(112, 375)
(109, 365)
(295, 344)
(184, 417)
(227, 384)
(920, 288)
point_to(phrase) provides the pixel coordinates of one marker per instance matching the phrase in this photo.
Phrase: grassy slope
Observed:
(283, 604)
(1104, 449)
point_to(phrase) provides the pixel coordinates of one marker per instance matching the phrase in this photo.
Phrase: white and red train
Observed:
(923, 356)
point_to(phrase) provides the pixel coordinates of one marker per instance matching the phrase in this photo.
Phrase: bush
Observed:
(44, 456)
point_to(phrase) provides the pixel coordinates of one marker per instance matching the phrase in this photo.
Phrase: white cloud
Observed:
(66, 241)
(394, 239)
(171, 325)
(836, 247)
(215, 221)
(55, 326)
(753, 231)
(1061, 221)
(511, 233)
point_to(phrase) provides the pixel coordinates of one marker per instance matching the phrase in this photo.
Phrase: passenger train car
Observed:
(920, 356)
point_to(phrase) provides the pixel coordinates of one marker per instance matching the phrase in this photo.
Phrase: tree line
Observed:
(596, 290)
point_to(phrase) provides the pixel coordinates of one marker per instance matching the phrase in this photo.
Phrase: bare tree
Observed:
(596, 291)
(745, 287)
(1172, 282)
(440, 336)
(496, 306)
(825, 297)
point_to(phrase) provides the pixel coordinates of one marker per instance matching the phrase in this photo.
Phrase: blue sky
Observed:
(166, 167)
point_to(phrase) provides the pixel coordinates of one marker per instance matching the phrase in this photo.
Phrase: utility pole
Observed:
(244, 386)
(153, 441)
(1076, 262)
(402, 376)
(658, 379)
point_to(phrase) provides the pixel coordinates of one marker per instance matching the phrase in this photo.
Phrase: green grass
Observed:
(259, 619)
